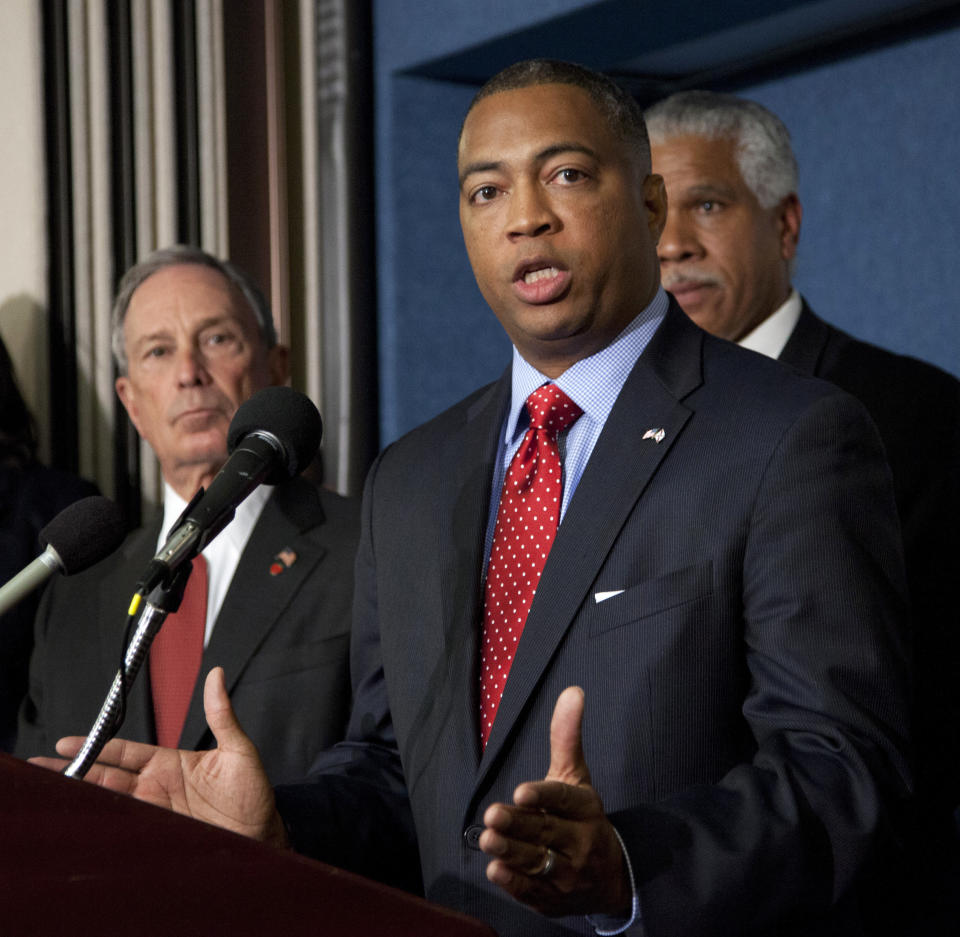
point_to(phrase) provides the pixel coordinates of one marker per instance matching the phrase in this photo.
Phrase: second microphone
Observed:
(273, 436)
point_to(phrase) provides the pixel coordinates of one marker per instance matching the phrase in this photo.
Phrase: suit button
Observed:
(472, 836)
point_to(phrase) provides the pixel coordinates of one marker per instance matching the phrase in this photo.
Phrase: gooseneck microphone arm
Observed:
(163, 600)
(29, 578)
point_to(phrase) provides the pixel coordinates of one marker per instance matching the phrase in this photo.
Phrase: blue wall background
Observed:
(878, 144)
(875, 135)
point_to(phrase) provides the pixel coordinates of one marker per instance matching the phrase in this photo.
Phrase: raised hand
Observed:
(554, 848)
(226, 786)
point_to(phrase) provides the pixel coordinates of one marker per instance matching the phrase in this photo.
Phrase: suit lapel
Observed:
(619, 469)
(255, 598)
(116, 591)
(472, 451)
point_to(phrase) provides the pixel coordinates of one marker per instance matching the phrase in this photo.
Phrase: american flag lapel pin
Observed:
(657, 434)
(283, 560)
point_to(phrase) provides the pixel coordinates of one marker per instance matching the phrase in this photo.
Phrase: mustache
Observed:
(688, 278)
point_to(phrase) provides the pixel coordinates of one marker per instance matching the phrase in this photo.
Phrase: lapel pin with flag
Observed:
(283, 560)
(657, 434)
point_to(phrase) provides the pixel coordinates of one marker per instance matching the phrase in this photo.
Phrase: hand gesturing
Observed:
(226, 786)
(554, 848)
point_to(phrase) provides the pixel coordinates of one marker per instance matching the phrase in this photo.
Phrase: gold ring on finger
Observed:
(548, 861)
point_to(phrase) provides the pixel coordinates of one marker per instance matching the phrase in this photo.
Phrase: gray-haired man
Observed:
(193, 338)
(727, 253)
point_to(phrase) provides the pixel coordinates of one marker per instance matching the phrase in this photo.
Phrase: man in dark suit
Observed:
(193, 338)
(727, 253)
(709, 679)
(31, 495)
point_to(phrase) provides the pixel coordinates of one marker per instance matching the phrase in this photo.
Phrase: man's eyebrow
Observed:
(555, 149)
(164, 335)
(159, 335)
(565, 147)
(470, 169)
(704, 189)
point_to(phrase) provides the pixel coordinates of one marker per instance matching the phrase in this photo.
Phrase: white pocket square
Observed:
(603, 596)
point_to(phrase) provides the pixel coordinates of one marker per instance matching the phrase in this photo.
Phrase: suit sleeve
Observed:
(354, 811)
(823, 612)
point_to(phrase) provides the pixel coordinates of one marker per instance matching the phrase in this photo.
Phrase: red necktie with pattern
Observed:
(175, 657)
(527, 521)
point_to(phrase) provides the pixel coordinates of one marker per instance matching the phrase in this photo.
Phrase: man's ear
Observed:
(278, 363)
(128, 398)
(789, 218)
(655, 198)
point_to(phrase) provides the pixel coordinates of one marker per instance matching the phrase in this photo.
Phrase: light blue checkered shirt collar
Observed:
(593, 384)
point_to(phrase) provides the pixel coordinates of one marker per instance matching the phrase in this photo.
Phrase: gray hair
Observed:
(179, 255)
(760, 138)
(619, 109)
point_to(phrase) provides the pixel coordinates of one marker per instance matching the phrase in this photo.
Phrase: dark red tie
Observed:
(527, 522)
(175, 657)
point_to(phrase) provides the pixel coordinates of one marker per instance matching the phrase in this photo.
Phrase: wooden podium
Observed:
(76, 859)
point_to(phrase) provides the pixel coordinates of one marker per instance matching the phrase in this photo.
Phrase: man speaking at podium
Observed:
(269, 598)
(627, 651)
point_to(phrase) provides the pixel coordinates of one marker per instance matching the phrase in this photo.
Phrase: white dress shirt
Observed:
(223, 552)
(770, 336)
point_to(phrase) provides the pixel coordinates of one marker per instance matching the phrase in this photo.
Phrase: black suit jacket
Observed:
(283, 640)
(30, 497)
(916, 408)
(744, 716)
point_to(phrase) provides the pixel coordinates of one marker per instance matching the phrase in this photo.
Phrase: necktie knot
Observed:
(551, 409)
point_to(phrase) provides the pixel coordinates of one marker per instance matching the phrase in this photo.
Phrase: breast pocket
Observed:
(652, 597)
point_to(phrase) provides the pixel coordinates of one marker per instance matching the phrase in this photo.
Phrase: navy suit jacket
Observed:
(916, 408)
(744, 720)
(283, 640)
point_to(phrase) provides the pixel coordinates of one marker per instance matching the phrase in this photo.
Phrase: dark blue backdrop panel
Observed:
(877, 142)
(439, 340)
(603, 34)
(408, 33)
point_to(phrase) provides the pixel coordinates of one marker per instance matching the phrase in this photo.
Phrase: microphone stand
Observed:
(164, 599)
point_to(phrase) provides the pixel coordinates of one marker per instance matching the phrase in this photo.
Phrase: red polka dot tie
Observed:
(175, 657)
(527, 522)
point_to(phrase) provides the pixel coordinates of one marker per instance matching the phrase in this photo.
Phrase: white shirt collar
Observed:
(223, 552)
(237, 531)
(771, 336)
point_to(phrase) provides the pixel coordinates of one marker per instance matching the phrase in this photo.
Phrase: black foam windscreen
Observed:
(84, 533)
(286, 414)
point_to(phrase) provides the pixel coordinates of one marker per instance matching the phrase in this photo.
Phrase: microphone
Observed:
(82, 534)
(273, 436)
